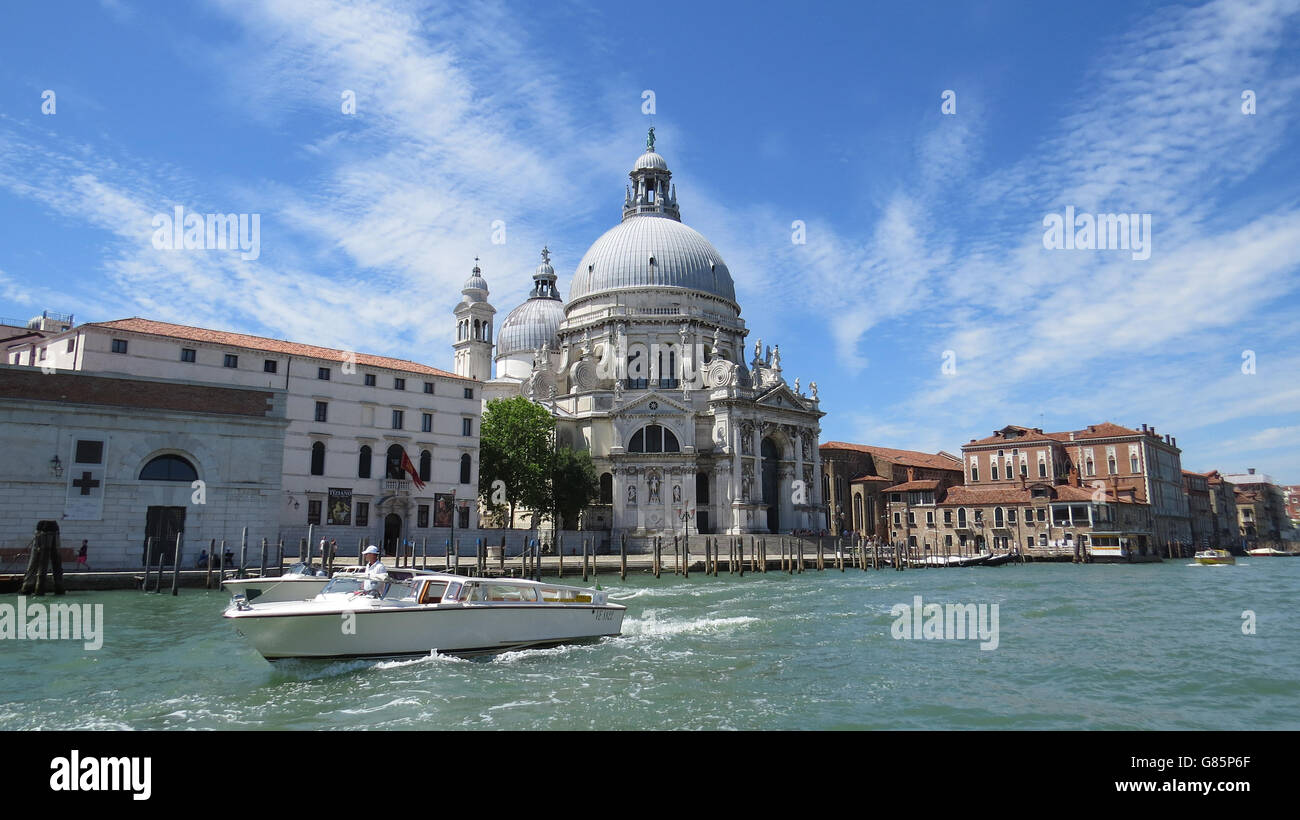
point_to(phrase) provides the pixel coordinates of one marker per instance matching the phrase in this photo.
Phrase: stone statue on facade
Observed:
(776, 357)
(812, 386)
(652, 483)
(796, 386)
(758, 349)
(631, 494)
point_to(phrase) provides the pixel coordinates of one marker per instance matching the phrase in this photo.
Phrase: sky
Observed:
(918, 150)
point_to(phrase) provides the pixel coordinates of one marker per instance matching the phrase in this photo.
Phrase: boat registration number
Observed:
(603, 614)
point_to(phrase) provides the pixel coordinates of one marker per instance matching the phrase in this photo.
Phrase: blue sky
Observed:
(924, 229)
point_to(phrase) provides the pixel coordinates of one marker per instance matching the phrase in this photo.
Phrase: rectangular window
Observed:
(72, 345)
(426, 422)
(422, 515)
(469, 392)
(898, 519)
(1042, 469)
(947, 516)
(929, 517)
(993, 469)
(467, 427)
(370, 380)
(323, 373)
(1042, 514)
(313, 512)
(231, 360)
(1133, 463)
(362, 518)
(269, 366)
(979, 516)
(947, 540)
(428, 387)
(1024, 469)
(399, 384)
(189, 354)
(1011, 516)
(322, 411)
(41, 355)
(89, 452)
(397, 419)
(911, 518)
(119, 345)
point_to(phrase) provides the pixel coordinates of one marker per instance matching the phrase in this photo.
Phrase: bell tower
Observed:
(473, 345)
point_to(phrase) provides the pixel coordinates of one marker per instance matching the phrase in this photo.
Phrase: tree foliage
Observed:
(515, 448)
(574, 484)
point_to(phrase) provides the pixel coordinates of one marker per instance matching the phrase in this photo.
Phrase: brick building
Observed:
(854, 476)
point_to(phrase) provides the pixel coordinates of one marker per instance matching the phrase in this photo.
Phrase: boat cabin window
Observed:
(504, 592)
(565, 596)
(453, 592)
(432, 592)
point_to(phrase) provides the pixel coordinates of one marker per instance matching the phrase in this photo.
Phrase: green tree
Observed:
(574, 485)
(515, 448)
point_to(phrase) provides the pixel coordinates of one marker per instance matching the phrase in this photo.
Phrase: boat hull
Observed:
(363, 631)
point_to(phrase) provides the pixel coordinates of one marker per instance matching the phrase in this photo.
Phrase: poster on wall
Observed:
(340, 507)
(442, 509)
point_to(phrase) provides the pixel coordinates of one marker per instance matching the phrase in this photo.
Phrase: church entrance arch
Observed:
(771, 497)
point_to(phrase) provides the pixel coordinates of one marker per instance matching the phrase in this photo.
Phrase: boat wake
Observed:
(652, 626)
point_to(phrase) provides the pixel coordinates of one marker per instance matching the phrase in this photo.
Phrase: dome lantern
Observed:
(651, 191)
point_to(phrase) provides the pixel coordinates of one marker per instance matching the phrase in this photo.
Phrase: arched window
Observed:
(997, 517)
(318, 458)
(606, 488)
(363, 461)
(393, 468)
(961, 516)
(426, 465)
(464, 468)
(1110, 464)
(169, 468)
(654, 438)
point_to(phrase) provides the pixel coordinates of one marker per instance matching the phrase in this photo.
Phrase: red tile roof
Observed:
(912, 485)
(912, 458)
(870, 477)
(198, 334)
(1033, 435)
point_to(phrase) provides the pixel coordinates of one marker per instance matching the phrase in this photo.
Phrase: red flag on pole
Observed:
(410, 469)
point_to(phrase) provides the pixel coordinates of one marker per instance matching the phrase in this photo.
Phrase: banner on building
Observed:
(340, 507)
(442, 509)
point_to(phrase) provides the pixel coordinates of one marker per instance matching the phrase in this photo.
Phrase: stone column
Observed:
(734, 485)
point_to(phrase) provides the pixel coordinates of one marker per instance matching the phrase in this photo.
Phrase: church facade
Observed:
(647, 366)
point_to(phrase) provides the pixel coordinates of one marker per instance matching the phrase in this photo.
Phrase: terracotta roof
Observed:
(911, 458)
(976, 495)
(1033, 435)
(870, 477)
(198, 334)
(912, 485)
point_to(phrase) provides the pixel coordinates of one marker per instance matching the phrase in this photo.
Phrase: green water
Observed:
(1079, 647)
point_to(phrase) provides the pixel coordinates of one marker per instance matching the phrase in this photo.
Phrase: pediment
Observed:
(652, 404)
(783, 397)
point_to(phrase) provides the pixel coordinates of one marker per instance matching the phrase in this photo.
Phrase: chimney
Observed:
(1071, 435)
(1173, 440)
(1166, 438)
(1251, 470)
(1144, 428)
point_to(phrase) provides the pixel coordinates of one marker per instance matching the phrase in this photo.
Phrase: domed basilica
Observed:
(646, 365)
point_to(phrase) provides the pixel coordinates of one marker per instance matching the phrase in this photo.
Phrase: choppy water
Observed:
(1080, 647)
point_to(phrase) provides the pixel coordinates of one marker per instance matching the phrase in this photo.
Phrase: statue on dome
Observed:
(758, 349)
(650, 139)
(776, 357)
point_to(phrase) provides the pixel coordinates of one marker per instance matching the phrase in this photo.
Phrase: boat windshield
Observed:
(342, 583)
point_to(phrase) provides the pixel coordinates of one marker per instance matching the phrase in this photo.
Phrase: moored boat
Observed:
(1269, 552)
(298, 583)
(434, 612)
(1214, 557)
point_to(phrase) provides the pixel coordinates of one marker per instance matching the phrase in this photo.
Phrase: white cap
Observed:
(371, 550)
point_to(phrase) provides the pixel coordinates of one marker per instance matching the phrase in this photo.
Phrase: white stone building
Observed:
(352, 418)
(118, 460)
(647, 366)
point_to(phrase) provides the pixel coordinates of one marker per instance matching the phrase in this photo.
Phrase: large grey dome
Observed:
(621, 259)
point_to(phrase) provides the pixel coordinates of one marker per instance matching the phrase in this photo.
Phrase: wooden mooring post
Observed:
(658, 546)
(821, 565)
(622, 556)
(584, 560)
(162, 556)
(686, 558)
(176, 564)
(243, 552)
(207, 580)
(279, 556)
(261, 571)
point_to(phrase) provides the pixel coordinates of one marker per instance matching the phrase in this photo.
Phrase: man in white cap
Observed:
(376, 572)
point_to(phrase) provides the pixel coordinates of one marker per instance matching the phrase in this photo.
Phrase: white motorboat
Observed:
(429, 612)
(298, 583)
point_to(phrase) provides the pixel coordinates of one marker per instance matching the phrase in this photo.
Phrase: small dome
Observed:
(650, 160)
(529, 326)
(476, 287)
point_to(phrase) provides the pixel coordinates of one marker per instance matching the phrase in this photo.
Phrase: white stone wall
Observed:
(236, 456)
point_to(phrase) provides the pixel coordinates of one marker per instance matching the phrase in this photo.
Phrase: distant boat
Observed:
(1265, 552)
(950, 560)
(1214, 557)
